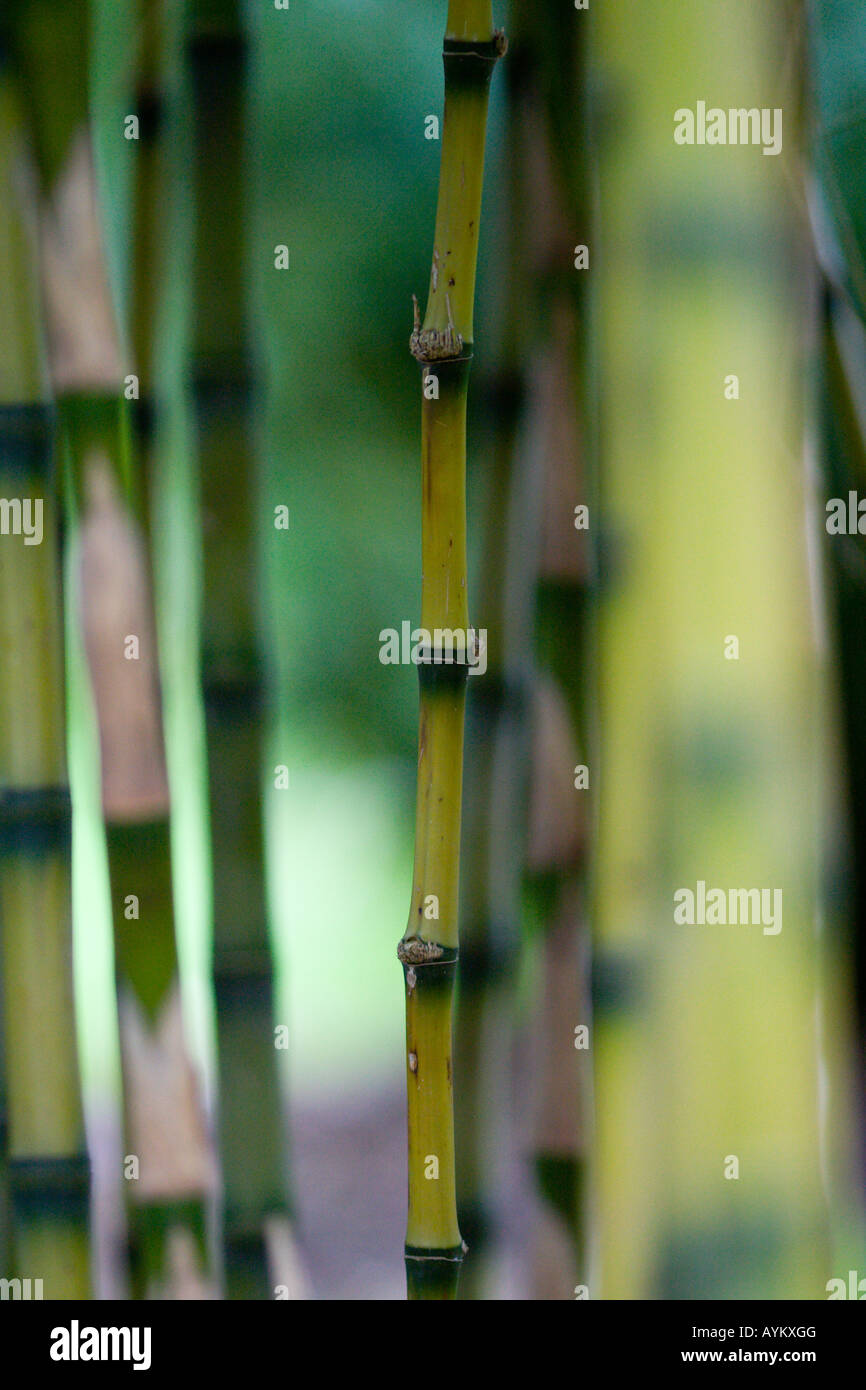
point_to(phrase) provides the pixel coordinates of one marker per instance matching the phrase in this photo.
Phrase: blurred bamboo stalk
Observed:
(185, 1226)
(557, 851)
(554, 150)
(260, 1247)
(835, 87)
(5, 1207)
(442, 344)
(549, 208)
(707, 1180)
(45, 1164)
(168, 1163)
(496, 776)
(148, 218)
(494, 814)
(8, 270)
(842, 451)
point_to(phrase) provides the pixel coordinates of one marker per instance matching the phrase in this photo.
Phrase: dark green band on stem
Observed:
(560, 1179)
(212, 372)
(35, 839)
(488, 954)
(149, 1226)
(452, 373)
(233, 697)
(489, 50)
(439, 674)
(96, 420)
(475, 1223)
(94, 414)
(247, 1260)
(438, 972)
(141, 840)
(504, 397)
(469, 66)
(501, 694)
(144, 419)
(617, 983)
(26, 438)
(38, 1185)
(204, 50)
(249, 1248)
(238, 973)
(221, 394)
(150, 109)
(433, 1274)
(34, 819)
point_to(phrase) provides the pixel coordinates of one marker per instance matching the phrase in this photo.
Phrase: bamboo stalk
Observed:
(148, 213)
(842, 370)
(557, 852)
(694, 761)
(443, 344)
(5, 1202)
(9, 277)
(556, 158)
(258, 1235)
(164, 1122)
(496, 781)
(44, 1153)
(494, 815)
(841, 376)
(556, 864)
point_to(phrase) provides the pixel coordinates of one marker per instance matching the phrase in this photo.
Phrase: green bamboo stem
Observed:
(443, 346)
(164, 1121)
(43, 1149)
(258, 1239)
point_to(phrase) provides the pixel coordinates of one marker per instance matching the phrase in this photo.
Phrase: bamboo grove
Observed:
(633, 553)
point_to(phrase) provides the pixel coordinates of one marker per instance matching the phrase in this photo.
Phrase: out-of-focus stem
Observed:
(45, 1170)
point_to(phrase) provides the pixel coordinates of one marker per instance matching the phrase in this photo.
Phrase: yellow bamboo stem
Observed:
(428, 950)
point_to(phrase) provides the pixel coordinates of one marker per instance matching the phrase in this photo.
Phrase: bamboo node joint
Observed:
(482, 50)
(436, 345)
(418, 952)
